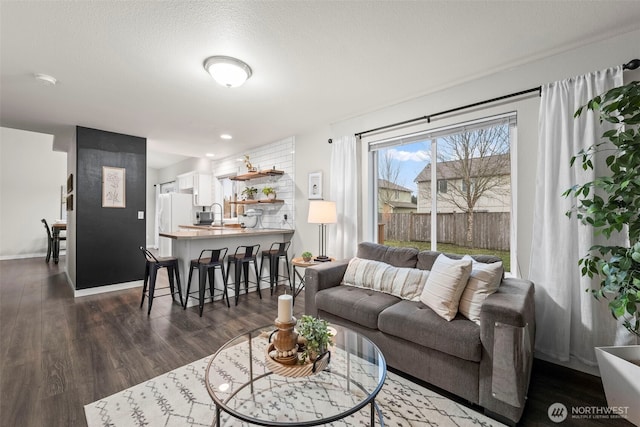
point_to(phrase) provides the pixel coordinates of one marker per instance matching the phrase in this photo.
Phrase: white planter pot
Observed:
(620, 373)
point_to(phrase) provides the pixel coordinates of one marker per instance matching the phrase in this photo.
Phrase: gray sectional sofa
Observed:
(487, 364)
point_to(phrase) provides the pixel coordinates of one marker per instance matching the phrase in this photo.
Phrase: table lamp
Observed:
(322, 212)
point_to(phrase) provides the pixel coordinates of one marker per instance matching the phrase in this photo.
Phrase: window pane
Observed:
(473, 187)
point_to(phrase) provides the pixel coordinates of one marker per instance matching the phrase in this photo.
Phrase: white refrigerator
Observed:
(174, 209)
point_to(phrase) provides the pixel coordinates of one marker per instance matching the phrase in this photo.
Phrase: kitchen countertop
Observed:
(206, 232)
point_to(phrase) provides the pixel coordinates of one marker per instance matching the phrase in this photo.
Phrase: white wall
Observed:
(313, 154)
(152, 181)
(31, 175)
(170, 173)
(608, 53)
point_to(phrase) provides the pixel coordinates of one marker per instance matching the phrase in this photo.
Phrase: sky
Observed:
(412, 158)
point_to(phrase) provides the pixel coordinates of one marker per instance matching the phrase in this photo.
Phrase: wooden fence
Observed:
(491, 230)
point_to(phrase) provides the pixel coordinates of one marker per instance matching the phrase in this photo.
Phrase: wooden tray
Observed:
(304, 370)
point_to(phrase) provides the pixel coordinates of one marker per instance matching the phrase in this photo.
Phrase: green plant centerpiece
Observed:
(250, 192)
(316, 336)
(270, 192)
(306, 256)
(612, 203)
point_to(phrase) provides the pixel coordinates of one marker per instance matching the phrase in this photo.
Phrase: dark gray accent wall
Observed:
(107, 239)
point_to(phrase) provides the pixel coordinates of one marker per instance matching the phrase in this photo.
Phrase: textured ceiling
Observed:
(136, 67)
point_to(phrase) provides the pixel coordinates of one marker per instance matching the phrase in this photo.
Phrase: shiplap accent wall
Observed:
(278, 154)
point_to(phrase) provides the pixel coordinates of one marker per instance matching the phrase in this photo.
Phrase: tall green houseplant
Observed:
(612, 203)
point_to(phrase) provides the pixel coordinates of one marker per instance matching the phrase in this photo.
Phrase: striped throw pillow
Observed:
(405, 283)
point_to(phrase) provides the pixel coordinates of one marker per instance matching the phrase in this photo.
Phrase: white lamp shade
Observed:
(322, 212)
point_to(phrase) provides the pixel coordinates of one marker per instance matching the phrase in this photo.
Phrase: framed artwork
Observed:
(113, 187)
(315, 185)
(69, 202)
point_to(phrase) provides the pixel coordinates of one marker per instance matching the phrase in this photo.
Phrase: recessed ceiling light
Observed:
(227, 71)
(210, 155)
(226, 136)
(45, 79)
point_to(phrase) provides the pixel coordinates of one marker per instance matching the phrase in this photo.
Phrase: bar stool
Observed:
(243, 255)
(152, 265)
(272, 255)
(207, 266)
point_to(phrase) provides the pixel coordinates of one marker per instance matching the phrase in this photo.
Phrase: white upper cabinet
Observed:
(185, 181)
(199, 184)
(202, 194)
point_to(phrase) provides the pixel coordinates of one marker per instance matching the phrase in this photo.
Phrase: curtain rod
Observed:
(631, 65)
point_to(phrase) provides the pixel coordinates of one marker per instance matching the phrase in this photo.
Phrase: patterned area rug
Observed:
(180, 398)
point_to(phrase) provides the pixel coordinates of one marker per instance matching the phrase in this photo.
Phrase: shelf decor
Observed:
(113, 187)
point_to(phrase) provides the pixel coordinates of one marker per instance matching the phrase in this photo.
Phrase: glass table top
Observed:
(241, 384)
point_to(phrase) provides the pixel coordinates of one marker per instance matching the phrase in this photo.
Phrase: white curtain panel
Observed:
(343, 188)
(570, 322)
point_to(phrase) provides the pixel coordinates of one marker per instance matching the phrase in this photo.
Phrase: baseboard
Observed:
(108, 288)
(32, 255)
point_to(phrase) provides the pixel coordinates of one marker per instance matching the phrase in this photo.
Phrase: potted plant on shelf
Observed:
(315, 337)
(611, 204)
(250, 192)
(270, 192)
(306, 256)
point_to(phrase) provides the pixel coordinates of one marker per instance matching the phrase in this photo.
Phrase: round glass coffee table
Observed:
(242, 385)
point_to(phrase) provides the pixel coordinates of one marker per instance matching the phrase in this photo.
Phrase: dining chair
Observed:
(50, 242)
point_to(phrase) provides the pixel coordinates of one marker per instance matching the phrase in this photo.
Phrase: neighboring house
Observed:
(394, 198)
(493, 169)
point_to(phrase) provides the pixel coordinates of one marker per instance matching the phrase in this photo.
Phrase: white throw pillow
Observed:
(483, 281)
(406, 283)
(445, 285)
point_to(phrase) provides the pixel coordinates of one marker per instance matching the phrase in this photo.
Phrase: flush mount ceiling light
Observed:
(227, 71)
(226, 136)
(45, 79)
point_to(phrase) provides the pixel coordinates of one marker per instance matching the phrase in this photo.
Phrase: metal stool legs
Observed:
(273, 255)
(207, 269)
(240, 261)
(152, 265)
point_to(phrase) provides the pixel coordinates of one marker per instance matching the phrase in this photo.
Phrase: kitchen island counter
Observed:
(194, 232)
(187, 244)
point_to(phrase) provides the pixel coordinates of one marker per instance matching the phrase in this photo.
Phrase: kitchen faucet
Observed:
(214, 214)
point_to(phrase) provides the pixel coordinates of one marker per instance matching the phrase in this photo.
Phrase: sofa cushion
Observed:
(427, 258)
(358, 305)
(406, 283)
(445, 285)
(483, 281)
(414, 322)
(397, 257)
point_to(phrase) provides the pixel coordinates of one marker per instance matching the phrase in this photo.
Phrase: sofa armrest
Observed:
(507, 333)
(319, 277)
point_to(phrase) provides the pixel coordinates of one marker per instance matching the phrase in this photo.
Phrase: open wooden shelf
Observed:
(256, 202)
(254, 175)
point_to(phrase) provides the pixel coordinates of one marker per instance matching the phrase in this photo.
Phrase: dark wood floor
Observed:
(59, 353)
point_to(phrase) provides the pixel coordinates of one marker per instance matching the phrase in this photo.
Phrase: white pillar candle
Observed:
(285, 308)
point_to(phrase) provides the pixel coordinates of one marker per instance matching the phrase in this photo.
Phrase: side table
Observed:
(300, 263)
